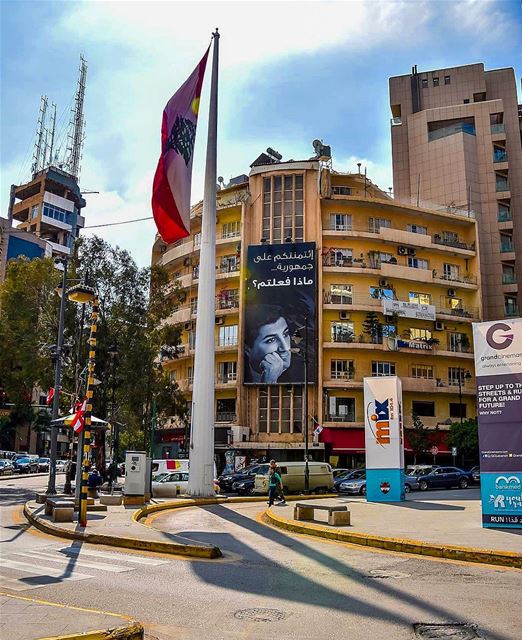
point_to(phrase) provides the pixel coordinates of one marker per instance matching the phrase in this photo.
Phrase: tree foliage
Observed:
(419, 437)
(465, 437)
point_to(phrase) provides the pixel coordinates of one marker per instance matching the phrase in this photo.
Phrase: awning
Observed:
(352, 440)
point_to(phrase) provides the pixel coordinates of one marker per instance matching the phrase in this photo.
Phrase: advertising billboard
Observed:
(384, 439)
(408, 309)
(498, 367)
(280, 301)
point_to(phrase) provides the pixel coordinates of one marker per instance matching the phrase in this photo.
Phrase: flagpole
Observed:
(201, 455)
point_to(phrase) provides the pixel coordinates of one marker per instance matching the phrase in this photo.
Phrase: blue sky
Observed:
(290, 72)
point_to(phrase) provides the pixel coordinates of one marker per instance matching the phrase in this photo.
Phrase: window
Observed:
(424, 371)
(419, 334)
(229, 264)
(388, 330)
(455, 374)
(417, 228)
(435, 82)
(424, 83)
(190, 375)
(501, 182)
(419, 298)
(450, 238)
(341, 331)
(455, 304)
(228, 299)
(340, 222)
(283, 208)
(193, 305)
(341, 369)
(417, 263)
(231, 229)
(374, 224)
(499, 153)
(340, 257)
(496, 122)
(457, 410)
(34, 211)
(510, 306)
(458, 342)
(227, 335)
(466, 100)
(341, 409)
(479, 97)
(192, 340)
(197, 239)
(508, 274)
(423, 408)
(506, 243)
(450, 271)
(172, 376)
(447, 79)
(227, 372)
(225, 410)
(377, 258)
(504, 213)
(280, 409)
(52, 211)
(341, 293)
(383, 368)
(382, 293)
(438, 129)
(341, 191)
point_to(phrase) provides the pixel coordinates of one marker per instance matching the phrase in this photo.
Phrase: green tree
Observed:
(465, 437)
(419, 437)
(372, 327)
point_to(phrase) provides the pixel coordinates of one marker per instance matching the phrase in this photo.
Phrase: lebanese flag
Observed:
(79, 417)
(171, 187)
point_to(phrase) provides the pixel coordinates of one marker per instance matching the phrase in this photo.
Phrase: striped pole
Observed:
(88, 412)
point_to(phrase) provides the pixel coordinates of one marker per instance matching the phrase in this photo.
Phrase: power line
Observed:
(113, 224)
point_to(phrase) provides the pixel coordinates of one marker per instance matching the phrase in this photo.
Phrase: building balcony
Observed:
(346, 418)
(500, 155)
(55, 224)
(509, 278)
(227, 304)
(505, 216)
(58, 248)
(226, 416)
(454, 244)
(465, 281)
(343, 383)
(511, 311)
(460, 313)
(498, 128)
(182, 314)
(395, 122)
(179, 249)
(228, 238)
(227, 272)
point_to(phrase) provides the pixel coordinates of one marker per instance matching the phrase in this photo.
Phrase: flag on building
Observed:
(79, 417)
(171, 187)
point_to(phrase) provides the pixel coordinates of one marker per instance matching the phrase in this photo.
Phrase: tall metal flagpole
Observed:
(201, 453)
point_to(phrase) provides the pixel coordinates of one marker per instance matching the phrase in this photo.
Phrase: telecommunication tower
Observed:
(76, 125)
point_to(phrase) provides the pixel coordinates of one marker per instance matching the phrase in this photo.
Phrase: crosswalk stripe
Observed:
(121, 557)
(34, 568)
(17, 584)
(61, 559)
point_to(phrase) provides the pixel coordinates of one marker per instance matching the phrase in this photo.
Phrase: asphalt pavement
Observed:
(269, 582)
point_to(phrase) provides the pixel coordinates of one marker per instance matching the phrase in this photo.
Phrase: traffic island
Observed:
(28, 618)
(117, 528)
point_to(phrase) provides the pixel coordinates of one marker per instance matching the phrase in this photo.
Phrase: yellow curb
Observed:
(465, 554)
(130, 631)
(158, 546)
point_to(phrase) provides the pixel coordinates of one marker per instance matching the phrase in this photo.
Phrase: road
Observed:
(268, 583)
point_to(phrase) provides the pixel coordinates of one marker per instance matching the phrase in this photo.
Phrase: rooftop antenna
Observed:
(77, 124)
(39, 144)
(53, 129)
(359, 168)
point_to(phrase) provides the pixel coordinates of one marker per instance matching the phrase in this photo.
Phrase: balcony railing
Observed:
(500, 155)
(343, 417)
(227, 235)
(225, 416)
(227, 303)
(501, 184)
(504, 216)
(506, 248)
(226, 378)
(395, 122)
(228, 268)
(509, 278)
(498, 128)
(456, 244)
(455, 277)
(511, 311)
(460, 312)
(342, 375)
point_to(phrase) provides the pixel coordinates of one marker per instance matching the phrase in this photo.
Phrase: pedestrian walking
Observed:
(274, 469)
(274, 482)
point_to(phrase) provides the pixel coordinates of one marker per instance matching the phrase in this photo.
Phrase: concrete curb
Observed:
(131, 630)
(403, 545)
(180, 503)
(159, 546)
(18, 476)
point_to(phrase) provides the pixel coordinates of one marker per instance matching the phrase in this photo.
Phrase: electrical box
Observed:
(136, 470)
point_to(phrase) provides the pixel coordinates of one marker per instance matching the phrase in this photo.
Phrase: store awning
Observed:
(352, 440)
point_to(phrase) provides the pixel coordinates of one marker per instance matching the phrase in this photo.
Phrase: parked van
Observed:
(293, 477)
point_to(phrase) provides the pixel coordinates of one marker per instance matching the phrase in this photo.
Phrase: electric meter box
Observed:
(136, 473)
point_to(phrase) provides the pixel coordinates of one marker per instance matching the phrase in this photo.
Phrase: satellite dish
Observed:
(317, 144)
(322, 151)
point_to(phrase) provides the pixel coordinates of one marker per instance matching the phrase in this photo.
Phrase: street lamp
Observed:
(297, 339)
(462, 377)
(113, 354)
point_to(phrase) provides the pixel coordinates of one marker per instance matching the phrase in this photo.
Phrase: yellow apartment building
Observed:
(398, 287)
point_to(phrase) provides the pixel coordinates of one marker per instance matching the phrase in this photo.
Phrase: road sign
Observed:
(453, 451)
(434, 451)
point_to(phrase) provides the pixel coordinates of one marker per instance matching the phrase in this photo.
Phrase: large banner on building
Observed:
(498, 367)
(408, 309)
(280, 303)
(384, 439)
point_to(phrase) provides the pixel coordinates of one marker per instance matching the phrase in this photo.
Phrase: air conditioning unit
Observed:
(439, 326)
(240, 434)
(411, 251)
(220, 320)
(451, 292)
(187, 326)
(344, 315)
(383, 283)
(402, 251)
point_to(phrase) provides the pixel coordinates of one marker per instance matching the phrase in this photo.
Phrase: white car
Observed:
(61, 466)
(169, 484)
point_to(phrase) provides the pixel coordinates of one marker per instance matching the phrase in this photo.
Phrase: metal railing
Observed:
(498, 128)
(225, 416)
(454, 277)
(509, 278)
(332, 417)
(456, 244)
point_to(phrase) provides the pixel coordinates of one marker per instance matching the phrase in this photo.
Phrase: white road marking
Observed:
(121, 557)
(62, 559)
(35, 568)
(18, 584)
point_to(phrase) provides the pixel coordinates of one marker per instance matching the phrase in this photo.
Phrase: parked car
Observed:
(226, 481)
(445, 477)
(475, 474)
(339, 472)
(293, 477)
(357, 485)
(349, 474)
(7, 455)
(420, 469)
(6, 467)
(61, 466)
(25, 464)
(43, 464)
(170, 484)
(244, 487)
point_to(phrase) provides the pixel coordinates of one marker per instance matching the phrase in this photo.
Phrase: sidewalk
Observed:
(116, 527)
(424, 517)
(24, 619)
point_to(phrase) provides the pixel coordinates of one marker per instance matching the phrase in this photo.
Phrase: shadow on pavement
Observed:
(257, 575)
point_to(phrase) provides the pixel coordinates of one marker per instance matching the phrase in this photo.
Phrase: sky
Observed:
(290, 72)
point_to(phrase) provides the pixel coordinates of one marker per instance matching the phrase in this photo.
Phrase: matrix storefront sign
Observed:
(280, 313)
(498, 364)
(384, 439)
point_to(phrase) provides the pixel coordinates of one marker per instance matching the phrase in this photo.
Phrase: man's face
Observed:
(271, 338)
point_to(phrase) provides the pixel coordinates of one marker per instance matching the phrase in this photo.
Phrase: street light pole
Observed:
(51, 485)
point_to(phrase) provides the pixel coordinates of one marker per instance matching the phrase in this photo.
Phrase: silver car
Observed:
(358, 485)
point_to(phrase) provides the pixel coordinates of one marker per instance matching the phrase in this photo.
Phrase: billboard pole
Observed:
(305, 407)
(201, 476)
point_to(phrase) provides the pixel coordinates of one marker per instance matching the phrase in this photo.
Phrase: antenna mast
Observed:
(38, 161)
(76, 124)
(53, 128)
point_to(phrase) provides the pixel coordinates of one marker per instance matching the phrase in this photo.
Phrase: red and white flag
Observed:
(171, 188)
(50, 396)
(79, 417)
